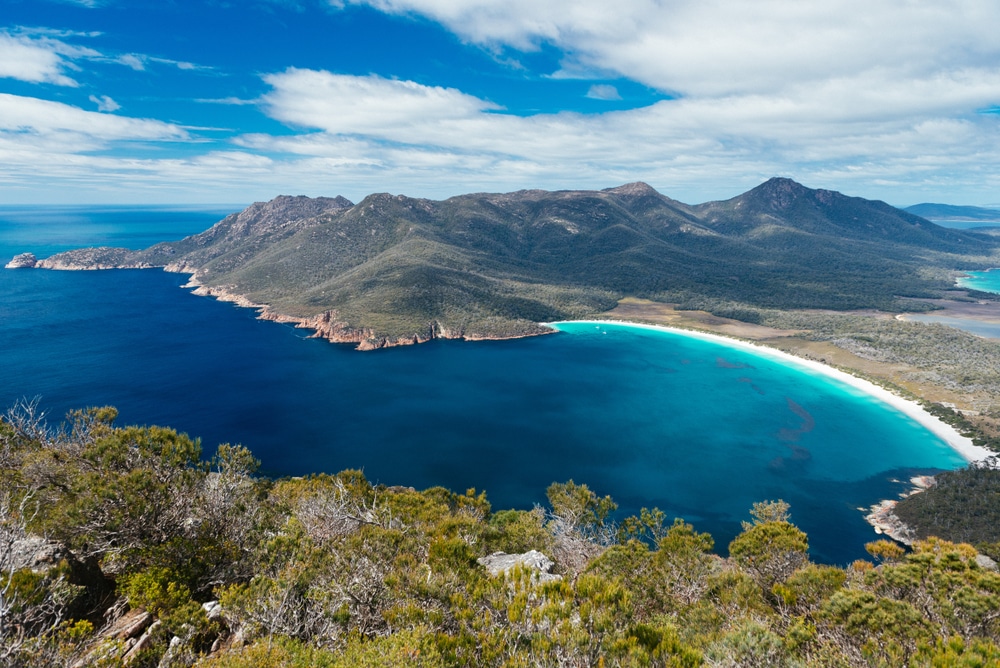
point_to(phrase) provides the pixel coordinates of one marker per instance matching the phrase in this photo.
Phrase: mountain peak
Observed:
(638, 188)
(783, 182)
(778, 193)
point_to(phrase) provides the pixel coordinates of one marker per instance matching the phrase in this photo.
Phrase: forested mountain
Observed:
(393, 268)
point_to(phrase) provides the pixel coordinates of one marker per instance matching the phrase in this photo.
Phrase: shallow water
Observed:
(651, 418)
(984, 281)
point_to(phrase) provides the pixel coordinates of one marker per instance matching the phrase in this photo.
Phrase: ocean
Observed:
(698, 429)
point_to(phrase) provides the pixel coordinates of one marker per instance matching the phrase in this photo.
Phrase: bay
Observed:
(984, 281)
(651, 418)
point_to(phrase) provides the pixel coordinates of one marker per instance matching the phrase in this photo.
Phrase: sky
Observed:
(219, 101)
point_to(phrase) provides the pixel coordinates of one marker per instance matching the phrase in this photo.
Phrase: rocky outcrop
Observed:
(884, 520)
(991, 463)
(22, 261)
(499, 563)
(985, 562)
(36, 553)
(274, 216)
(118, 639)
(131, 634)
(327, 326)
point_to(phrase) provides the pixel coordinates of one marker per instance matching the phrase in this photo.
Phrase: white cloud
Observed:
(133, 61)
(227, 101)
(105, 103)
(345, 104)
(38, 59)
(878, 99)
(835, 118)
(28, 119)
(362, 134)
(405, 133)
(719, 47)
(882, 92)
(41, 55)
(603, 92)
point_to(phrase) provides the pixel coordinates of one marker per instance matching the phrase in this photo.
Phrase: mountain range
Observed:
(393, 269)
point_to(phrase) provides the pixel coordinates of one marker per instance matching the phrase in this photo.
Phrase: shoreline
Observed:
(956, 441)
(326, 325)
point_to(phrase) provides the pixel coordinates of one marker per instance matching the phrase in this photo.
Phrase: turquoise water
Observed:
(651, 418)
(984, 281)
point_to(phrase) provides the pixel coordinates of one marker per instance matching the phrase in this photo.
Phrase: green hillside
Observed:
(397, 268)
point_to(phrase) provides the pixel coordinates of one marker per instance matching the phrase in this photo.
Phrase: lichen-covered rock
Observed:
(985, 562)
(36, 553)
(499, 563)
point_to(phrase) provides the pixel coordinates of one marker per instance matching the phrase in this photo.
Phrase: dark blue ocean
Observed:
(653, 419)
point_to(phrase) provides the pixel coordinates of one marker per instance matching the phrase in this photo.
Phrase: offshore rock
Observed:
(22, 261)
(499, 563)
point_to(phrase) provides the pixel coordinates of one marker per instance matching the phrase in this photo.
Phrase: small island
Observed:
(22, 261)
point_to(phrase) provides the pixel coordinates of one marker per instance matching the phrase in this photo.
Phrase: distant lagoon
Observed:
(988, 330)
(699, 429)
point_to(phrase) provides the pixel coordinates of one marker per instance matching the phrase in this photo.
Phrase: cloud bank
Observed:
(881, 98)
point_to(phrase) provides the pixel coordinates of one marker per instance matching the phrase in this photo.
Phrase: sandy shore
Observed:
(961, 444)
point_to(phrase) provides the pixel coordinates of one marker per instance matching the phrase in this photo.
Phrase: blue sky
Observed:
(215, 101)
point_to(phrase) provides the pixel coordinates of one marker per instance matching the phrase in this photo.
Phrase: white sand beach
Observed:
(961, 444)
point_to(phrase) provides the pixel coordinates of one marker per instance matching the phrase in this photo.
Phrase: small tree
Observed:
(768, 511)
(576, 509)
(770, 549)
(684, 558)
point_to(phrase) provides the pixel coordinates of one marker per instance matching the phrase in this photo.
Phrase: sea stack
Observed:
(22, 261)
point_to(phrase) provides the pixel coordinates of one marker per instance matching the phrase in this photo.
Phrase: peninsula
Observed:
(813, 272)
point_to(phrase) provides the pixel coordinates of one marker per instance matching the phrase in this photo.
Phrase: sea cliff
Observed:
(328, 325)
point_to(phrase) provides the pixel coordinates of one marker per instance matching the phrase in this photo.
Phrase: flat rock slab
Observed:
(500, 563)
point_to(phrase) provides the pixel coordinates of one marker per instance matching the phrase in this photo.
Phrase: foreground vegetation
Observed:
(123, 545)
